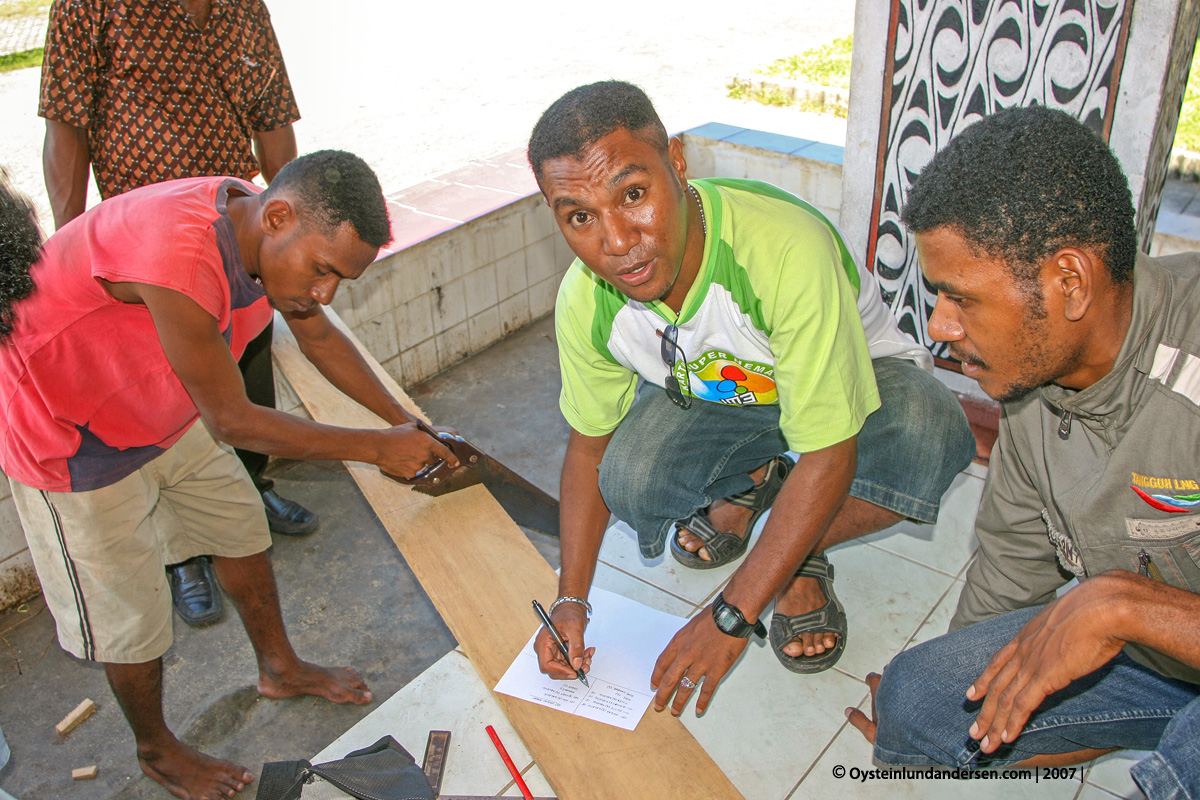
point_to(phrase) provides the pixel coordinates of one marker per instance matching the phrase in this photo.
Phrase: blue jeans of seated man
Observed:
(665, 462)
(923, 714)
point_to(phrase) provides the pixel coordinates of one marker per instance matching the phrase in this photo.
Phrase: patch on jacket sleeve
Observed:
(1064, 546)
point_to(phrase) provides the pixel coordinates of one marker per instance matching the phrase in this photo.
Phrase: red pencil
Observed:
(508, 763)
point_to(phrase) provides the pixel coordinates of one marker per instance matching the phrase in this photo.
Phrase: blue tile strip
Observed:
(776, 142)
(769, 141)
(714, 130)
(822, 151)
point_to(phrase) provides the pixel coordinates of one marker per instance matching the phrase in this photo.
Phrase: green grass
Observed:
(743, 90)
(23, 8)
(16, 10)
(770, 96)
(21, 60)
(827, 65)
(1187, 135)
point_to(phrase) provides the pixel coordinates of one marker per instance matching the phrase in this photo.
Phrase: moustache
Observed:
(968, 358)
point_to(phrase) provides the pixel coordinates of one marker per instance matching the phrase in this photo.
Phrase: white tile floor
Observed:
(777, 735)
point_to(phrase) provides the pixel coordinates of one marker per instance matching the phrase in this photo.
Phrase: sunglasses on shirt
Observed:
(668, 348)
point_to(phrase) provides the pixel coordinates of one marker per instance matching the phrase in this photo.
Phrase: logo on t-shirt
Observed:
(720, 377)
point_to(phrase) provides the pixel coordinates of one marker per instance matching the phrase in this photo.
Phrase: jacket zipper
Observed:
(1064, 427)
(1147, 568)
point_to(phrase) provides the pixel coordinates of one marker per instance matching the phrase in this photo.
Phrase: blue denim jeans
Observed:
(924, 716)
(665, 462)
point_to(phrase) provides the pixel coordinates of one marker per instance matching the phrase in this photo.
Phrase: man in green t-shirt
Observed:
(755, 333)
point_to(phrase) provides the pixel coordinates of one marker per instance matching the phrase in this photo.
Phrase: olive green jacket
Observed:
(1078, 480)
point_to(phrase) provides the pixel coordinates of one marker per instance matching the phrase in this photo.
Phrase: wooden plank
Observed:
(81, 712)
(481, 572)
(85, 773)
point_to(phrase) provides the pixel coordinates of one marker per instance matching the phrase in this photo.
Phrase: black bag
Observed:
(383, 771)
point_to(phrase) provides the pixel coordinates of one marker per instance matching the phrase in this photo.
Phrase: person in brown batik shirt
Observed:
(151, 90)
(143, 91)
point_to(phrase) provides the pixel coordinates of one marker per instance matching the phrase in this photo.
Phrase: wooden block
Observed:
(84, 773)
(464, 539)
(81, 712)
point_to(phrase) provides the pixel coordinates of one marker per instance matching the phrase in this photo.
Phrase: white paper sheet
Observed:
(628, 637)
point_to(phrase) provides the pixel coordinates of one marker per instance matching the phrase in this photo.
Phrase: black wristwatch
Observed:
(732, 621)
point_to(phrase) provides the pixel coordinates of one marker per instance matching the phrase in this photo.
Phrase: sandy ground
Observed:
(419, 91)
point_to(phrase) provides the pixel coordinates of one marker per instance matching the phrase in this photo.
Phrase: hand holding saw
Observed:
(528, 505)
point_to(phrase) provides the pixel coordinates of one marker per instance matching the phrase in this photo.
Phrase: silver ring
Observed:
(687, 682)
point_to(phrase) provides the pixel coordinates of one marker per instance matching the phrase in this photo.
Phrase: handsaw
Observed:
(528, 505)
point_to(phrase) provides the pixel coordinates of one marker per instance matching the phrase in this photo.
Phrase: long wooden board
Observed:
(481, 572)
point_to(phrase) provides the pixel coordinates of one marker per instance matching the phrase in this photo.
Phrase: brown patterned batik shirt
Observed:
(160, 97)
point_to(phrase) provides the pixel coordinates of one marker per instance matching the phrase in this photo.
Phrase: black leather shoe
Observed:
(287, 516)
(194, 591)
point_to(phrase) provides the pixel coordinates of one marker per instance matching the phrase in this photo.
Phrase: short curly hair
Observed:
(1023, 183)
(334, 187)
(586, 114)
(20, 248)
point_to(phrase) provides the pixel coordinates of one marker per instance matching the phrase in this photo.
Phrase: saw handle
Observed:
(435, 473)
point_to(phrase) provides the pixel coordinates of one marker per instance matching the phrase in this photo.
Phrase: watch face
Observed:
(728, 620)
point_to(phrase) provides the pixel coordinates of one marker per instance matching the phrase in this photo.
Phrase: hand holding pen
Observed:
(552, 642)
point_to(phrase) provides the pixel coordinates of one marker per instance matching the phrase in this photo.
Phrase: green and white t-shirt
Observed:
(776, 315)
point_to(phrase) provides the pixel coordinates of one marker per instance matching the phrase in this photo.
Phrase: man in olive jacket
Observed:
(1024, 226)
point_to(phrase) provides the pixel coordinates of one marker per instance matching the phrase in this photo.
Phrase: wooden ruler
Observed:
(481, 573)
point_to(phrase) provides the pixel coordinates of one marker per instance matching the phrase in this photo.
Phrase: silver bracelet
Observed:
(570, 599)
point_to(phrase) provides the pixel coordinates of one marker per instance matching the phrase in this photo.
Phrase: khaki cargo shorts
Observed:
(101, 555)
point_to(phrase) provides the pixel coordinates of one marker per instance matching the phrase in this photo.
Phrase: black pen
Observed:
(562, 646)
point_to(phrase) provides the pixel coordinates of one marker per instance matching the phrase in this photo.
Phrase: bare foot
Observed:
(724, 517)
(338, 684)
(192, 775)
(801, 596)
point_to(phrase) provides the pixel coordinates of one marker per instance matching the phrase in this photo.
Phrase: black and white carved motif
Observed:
(955, 61)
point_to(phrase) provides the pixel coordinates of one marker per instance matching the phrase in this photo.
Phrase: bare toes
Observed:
(692, 544)
(810, 645)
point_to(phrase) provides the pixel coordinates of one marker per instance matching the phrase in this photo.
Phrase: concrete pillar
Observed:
(926, 69)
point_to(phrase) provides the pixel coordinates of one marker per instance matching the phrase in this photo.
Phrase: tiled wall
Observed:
(809, 169)
(433, 304)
